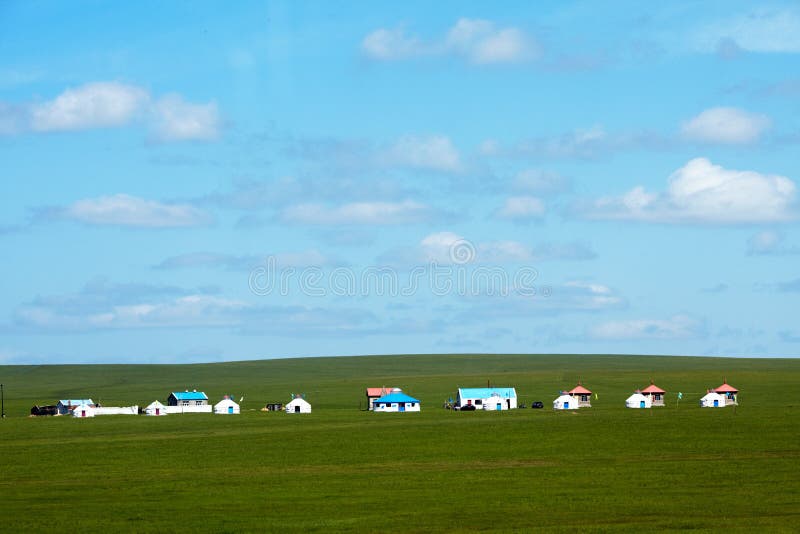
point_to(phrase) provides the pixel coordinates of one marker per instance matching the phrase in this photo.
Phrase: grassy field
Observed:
(343, 469)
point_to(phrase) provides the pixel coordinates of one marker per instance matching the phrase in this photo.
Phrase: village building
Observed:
(582, 395)
(638, 400)
(83, 410)
(728, 391)
(712, 399)
(565, 401)
(38, 411)
(66, 406)
(155, 408)
(226, 406)
(187, 398)
(655, 393)
(298, 405)
(396, 402)
(489, 398)
(376, 393)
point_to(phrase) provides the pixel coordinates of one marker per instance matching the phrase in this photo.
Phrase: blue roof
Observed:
(189, 395)
(75, 402)
(485, 393)
(396, 397)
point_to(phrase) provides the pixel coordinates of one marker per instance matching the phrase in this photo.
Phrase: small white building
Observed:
(155, 408)
(565, 402)
(83, 410)
(298, 405)
(226, 406)
(712, 399)
(487, 398)
(396, 402)
(65, 406)
(637, 400)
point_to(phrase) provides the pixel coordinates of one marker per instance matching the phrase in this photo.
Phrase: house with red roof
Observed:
(727, 391)
(583, 395)
(655, 393)
(376, 393)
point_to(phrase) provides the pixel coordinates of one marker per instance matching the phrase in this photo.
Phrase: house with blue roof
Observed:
(487, 398)
(187, 398)
(396, 402)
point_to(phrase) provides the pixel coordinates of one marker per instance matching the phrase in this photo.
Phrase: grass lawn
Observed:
(343, 469)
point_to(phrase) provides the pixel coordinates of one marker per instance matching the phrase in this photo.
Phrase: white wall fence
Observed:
(206, 408)
(116, 410)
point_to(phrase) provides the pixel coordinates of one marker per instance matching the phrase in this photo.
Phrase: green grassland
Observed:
(344, 469)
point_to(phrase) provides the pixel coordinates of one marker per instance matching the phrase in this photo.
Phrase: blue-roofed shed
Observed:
(487, 398)
(187, 398)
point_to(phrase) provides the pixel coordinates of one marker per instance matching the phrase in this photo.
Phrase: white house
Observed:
(396, 402)
(637, 400)
(728, 392)
(582, 395)
(565, 402)
(298, 405)
(65, 406)
(377, 393)
(155, 408)
(487, 398)
(83, 410)
(712, 399)
(226, 406)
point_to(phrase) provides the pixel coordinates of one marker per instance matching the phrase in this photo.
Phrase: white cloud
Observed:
(726, 126)
(127, 210)
(701, 192)
(482, 42)
(676, 327)
(406, 211)
(94, 105)
(438, 247)
(763, 30)
(581, 143)
(770, 243)
(178, 120)
(539, 181)
(448, 247)
(246, 262)
(523, 208)
(505, 252)
(387, 45)
(113, 105)
(435, 153)
(478, 41)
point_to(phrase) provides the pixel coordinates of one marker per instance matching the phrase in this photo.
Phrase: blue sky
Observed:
(186, 183)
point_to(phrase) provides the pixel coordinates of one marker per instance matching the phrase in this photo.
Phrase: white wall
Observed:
(116, 410)
(205, 408)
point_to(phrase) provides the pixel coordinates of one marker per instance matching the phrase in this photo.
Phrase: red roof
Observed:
(379, 392)
(579, 390)
(652, 388)
(726, 388)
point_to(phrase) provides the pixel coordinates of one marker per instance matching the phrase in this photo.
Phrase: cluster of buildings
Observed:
(178, 402)
(505, 398)
(383, 399)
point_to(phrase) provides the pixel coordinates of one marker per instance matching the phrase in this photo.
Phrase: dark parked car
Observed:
(468, 408)
(537, 404)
